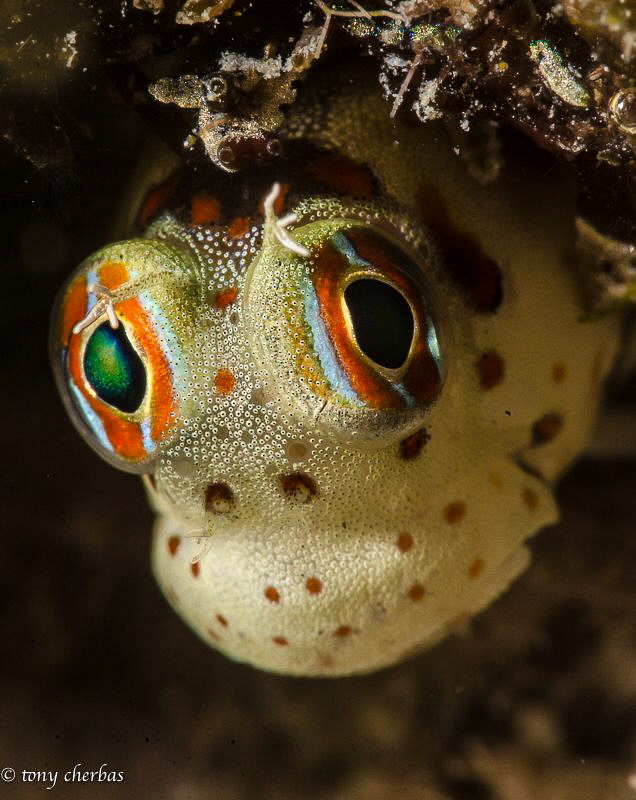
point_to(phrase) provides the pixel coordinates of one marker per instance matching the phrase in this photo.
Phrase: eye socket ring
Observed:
(348, 334)
(117, 357)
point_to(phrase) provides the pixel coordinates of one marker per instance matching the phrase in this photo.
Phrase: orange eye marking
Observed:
(279, 203)
(238, 227)
(74, 307)
(422, 378)
(363, 380)
(343, 175)
(205, 209)
(161, 382)
(124, 435)
(113, 274)
(225, 297)
(224, 381)
(154, 201)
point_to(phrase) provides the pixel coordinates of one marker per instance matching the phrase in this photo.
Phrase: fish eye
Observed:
(347, 335)
(118, 354)
(114, 369)
(382, 321)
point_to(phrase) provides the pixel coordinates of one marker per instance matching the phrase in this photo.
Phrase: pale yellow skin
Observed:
(392, 554)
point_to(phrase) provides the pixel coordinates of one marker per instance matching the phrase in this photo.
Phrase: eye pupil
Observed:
(114, 369)
(382, 321)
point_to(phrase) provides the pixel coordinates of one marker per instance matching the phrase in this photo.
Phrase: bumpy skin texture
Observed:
(346, 523)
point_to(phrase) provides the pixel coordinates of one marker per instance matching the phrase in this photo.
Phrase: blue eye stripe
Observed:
(326, 356)
(94, 421)
(346, 249)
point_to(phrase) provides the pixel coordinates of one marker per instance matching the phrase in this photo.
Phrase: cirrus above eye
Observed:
(113, 368)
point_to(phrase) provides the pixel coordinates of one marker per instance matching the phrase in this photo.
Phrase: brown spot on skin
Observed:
(299, 487)
(195, 569)
(279, 203)
(173, 545)
(530, 498)
(455, 512)
(342, 631)
(272, 594)
(404, 542)
(221, 620)
(411, 447)
(416, 592)
(224, 382)
(219, 498)
(238, 227)
(280, 640)
(476, 568)
(213, 635)
(476, 274)
(558, 372)
(496, 480)
(225, 297)
(490, 369)
(205, 209)
(313, 585)
(343, 175)
(546, 428)
(327, 662)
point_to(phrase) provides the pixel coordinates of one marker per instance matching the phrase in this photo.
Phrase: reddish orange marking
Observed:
(225, 297)
(224, 381)
(313, 585)
(221, 620)
(475, 272)
(280, 640)
(476, 568)
(74, 306)
(404, 542)
(279, 203)
(204, 209)
(272, 594)
(173, 544)
(343, 175)
(165, 407)
(238, 227)
(490, 369)
(195, 569)
(416, 591)
(455, 512)
(546, 428)
(411, 447)
(156, 198)
(342, 631)
(530, 498)
(113, 274)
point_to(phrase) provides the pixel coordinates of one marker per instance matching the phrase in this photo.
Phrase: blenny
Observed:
(349, 378)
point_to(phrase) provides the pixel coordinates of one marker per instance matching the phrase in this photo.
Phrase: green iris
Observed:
(113, 368)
